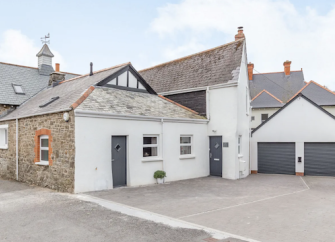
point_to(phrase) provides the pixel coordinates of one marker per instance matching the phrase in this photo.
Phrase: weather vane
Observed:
(44, 39)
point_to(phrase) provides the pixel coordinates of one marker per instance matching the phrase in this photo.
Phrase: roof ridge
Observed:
(311, 81)
(171, 101)
(18, 65)
(188, 56)
(95, 72)
(267, 93)
(5, 63)
(274, 72)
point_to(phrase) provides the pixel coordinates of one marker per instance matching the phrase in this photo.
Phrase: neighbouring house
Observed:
(270, 91)
(298, 139)
(19, 83)
(321, 95)
(215, 84)
(102, 130)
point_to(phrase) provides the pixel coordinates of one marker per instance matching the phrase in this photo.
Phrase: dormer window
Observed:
(18, 89)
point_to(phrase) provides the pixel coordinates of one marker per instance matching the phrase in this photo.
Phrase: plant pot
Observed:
(160, 180)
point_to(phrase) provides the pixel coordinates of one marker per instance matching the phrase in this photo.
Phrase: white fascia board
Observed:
(195, 89)
(94, 114)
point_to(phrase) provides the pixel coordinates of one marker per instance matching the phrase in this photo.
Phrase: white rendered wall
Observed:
(243, 119)
(93, 170)
(330, 109)
(299, 122)
(223, 122)
(257, 113)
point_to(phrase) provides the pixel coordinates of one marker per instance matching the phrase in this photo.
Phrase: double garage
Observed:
(280, 158)
(299, 139)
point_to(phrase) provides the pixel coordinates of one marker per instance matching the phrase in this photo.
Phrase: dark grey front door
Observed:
(215, 155)
(119, 161)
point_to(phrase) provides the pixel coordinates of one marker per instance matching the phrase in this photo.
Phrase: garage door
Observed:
(320, 159)
(276, 158)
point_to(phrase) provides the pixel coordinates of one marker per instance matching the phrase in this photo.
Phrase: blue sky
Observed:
(150, 32)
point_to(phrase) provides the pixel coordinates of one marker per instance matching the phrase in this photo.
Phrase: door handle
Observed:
(112, 160)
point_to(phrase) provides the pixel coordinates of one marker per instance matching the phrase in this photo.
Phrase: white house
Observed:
(298, 139)
(109, 128)
(215, 84)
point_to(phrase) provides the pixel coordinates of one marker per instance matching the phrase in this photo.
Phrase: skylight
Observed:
(48, 102)
(18, 89)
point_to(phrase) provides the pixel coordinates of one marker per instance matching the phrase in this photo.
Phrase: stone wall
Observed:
(193, 100)
(58, 176)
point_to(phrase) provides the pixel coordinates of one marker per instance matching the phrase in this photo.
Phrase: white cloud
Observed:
(16, 48)
(275, 30)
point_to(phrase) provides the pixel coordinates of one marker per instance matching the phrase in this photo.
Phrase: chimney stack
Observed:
(57, 67)
(287, 67)
(250, 70)
(239, 34)
(56, 78)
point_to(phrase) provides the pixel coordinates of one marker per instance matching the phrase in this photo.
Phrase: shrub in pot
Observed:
(159, 176)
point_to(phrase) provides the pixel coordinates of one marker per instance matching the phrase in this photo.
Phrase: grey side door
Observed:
(276, 158)
(320, 159)
(215, 156)
(119, 161)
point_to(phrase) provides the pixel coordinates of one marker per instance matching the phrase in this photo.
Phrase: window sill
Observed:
(42, 163)
(152, 159)
(184, 157)
(5, 147)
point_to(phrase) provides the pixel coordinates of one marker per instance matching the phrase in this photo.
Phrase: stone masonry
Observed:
(58, 176)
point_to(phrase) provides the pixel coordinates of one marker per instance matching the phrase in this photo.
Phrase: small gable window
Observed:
(132, 81)
(128, 80)
(18, 89)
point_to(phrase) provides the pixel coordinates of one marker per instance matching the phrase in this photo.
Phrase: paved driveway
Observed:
(261, 207)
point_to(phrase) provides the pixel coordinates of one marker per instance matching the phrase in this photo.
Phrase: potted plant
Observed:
(159, 176)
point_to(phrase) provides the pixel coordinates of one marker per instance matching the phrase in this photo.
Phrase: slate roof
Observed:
(31, 79)
(45, 51)
(266, 100)
(116, 101)
(318, 94)
(278, 84)
(68, 92)
(101, 99)
(207, 68)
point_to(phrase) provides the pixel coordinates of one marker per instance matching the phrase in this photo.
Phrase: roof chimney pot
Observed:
(250, 70)
(287, 67)
(240, 34)
(57, 67)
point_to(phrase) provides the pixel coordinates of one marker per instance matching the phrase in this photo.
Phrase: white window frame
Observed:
(5, 127)
(181, 156)
(43, 162)
(239, 145)
(151, 158)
